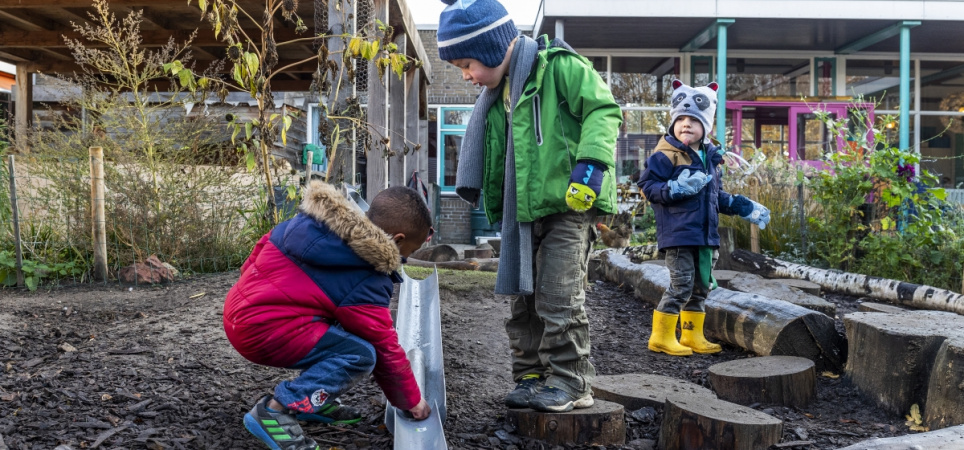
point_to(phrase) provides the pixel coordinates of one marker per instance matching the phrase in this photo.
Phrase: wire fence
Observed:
(192, 219)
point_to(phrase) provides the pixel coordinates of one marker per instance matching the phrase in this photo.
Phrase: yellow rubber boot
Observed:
(692, 334)
(663, 338)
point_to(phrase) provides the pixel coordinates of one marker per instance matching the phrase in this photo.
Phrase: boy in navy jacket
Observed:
(682, 182)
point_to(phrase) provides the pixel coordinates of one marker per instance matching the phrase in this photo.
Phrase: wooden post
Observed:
(377, 165)
(16, 223)
(754, 229)
(341, 165)
(99, 228)
(23, 110)
(311, 155)
(412, 125)
(397, 172)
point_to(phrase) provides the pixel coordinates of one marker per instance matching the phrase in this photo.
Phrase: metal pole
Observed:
(721, 26)
(905, 83)
(16, 224)
(98, 222)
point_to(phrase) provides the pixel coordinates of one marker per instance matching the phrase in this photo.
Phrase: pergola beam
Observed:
(11, 4)
(151, 38)
(703, 37)
(873, 38)
(44, 65)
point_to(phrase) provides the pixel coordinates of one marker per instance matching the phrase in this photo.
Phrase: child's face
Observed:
(688, 130)
(478, 74)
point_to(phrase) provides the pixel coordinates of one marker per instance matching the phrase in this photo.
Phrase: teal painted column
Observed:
(904, 119)
(721, 26)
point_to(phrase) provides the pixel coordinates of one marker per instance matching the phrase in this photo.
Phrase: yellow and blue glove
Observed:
(584, 185)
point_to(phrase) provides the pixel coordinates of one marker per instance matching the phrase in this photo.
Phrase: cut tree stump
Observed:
(908, 294)
(477, 253)
(601, 424)
(898, 360)
(700, 423)
(436, 253)
(879, 307)
(755, 284)
(762, 325)
(946, 439)
(779, 380)
(805, 286)
(639, 390)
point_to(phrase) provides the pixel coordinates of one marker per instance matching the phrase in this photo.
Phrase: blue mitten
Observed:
(584, 185)
(688, 184)
(750, 211)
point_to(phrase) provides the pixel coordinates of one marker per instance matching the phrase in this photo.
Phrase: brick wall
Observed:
(454, 225)
(448, 87)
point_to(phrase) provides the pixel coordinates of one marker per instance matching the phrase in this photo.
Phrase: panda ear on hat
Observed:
(678, 83)
(713, 86)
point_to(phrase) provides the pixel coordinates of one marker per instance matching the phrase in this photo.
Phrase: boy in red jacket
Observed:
(314, 296)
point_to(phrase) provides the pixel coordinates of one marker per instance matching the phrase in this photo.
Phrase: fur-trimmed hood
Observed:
(324, 203)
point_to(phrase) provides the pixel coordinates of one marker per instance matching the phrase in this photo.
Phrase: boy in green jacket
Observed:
(538, 149)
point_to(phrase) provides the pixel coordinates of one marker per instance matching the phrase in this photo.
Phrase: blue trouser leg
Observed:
(337, 362)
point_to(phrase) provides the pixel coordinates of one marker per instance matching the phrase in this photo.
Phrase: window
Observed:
(451, 128)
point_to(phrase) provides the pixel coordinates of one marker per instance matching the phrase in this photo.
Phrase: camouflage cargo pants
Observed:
(549, 330)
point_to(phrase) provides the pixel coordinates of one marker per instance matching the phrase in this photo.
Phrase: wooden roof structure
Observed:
(32, 36)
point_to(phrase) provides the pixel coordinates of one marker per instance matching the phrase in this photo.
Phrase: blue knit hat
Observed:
(477, 29)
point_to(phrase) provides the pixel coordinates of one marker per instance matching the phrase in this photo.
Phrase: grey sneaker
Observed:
(278, 430)
(524, 389)
(553, 399)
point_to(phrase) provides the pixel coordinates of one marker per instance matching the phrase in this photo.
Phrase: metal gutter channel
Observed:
(419, 326)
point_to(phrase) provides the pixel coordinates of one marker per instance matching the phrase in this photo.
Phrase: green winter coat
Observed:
(566, 113)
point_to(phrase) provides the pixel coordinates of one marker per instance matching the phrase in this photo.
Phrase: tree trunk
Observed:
(601, 424)
(768, 327)
(761, 325)
(909, 294)
(455, 265)
(922, 363)
(755, 284)
(780, 380)
(699, 423)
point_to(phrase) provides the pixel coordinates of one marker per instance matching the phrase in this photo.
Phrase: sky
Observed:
(426, 12)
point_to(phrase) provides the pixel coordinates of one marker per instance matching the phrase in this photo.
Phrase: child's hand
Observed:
(421, 410)
(688, 184)
(750, 211)
(585, 184)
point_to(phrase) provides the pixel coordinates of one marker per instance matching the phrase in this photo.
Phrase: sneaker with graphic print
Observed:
(333, 413)
(279, 430)
(524, 390)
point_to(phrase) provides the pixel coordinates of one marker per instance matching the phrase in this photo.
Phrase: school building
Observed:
(775, 61)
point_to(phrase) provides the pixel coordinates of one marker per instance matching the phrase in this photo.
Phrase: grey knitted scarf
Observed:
(515, 257)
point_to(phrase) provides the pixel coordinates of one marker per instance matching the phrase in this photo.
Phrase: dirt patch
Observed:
(151, 368)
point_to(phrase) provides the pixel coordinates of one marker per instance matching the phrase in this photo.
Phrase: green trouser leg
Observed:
(549, 330)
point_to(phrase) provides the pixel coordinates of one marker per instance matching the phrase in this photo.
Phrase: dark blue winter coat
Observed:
(688, 221)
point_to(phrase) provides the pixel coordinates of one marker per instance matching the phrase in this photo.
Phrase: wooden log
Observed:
(454, 265)
(436, 253)
(892, 355)
(759, 324)
(805, 286)
(485, 264)
(639, 390)
(946, 439)
(770, 327)
(945, 390)
(771, 380)
(601, 424)
(699, 423)
(477, 253)
(755, 284)
(879, 307)
(723, 277)
(908, 294)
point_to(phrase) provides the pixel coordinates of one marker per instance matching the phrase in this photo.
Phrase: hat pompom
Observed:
(449, 2)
